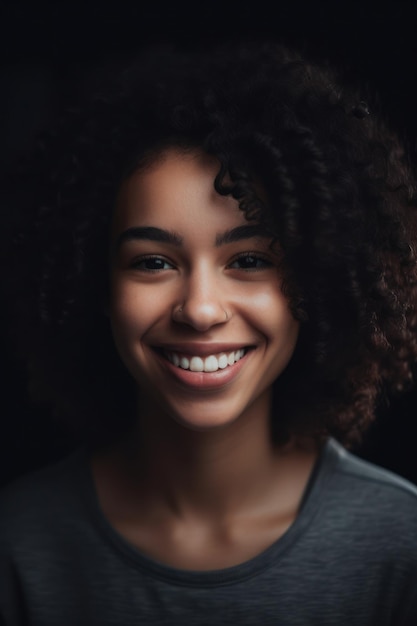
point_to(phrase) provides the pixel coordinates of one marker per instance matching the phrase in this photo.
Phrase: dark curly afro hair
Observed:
(341, 203)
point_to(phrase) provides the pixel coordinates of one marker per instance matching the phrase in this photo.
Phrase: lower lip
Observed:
(205, 380)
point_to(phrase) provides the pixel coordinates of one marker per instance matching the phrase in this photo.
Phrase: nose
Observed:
(201, 303)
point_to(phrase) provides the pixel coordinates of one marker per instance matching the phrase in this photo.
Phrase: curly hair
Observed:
(340, 200)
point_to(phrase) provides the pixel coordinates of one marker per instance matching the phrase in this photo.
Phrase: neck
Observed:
(216, 474)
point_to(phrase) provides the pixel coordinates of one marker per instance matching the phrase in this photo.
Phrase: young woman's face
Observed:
(196, 306)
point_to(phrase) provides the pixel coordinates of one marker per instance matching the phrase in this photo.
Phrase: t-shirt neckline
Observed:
(310, 502)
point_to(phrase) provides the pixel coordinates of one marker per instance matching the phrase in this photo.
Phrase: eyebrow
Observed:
(247, 231)
(152, 233)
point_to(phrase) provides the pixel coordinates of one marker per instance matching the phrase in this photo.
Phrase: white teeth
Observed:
(222, 360)
(196, 364)
(210, 364)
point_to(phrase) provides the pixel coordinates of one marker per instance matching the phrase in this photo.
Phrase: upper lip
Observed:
(201, 349)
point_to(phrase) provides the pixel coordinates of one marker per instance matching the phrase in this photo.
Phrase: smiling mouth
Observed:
(208, 364)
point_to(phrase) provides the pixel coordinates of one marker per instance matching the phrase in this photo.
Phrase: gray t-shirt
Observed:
(349, 558)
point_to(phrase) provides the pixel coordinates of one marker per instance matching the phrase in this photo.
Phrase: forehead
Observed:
(176, 190)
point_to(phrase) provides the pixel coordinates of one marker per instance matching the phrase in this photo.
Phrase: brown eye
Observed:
(151, 264)
(250, 262)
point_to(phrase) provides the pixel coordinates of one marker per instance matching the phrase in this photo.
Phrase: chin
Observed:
(205, 425)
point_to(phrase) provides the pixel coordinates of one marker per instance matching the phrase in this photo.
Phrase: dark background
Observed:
(48, 50)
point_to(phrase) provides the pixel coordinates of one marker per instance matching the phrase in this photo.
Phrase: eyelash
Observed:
(257, 257)
(137, 262)
(247, 255)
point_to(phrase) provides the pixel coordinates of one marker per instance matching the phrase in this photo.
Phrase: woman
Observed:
(214, 283)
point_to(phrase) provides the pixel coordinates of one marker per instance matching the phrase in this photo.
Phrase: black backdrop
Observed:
(46, 47)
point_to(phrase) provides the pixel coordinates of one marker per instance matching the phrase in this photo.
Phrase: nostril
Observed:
(200, 315)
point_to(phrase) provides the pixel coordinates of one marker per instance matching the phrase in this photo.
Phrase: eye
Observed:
(152, 264)
(250, 261)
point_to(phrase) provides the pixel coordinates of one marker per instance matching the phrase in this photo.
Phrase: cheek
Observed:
(131, 315)
(128, 326)
(134, 309)
(273, 319)
(273, 313)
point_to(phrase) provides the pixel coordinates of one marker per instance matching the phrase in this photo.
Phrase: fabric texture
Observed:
(349, 558)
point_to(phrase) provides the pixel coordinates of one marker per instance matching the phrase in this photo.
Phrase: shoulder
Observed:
(33, 500)
(372, 477)
(369, 499)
